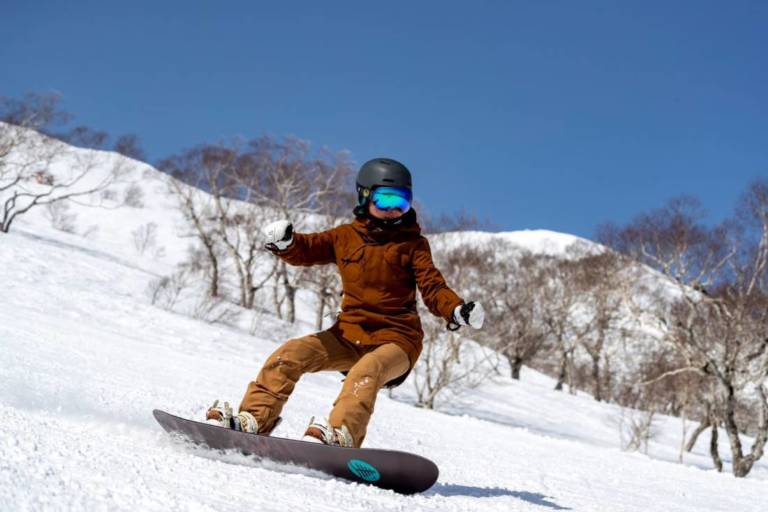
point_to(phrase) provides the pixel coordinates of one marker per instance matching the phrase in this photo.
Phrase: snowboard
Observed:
(402, 472)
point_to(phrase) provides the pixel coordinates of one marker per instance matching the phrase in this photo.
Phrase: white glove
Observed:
(278, 235)
(471, 313)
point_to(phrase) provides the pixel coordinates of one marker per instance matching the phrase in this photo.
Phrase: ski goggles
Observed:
(390, 198)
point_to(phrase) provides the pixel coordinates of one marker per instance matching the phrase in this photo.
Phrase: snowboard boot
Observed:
(223, 417)
(322, 432)
(242, 421)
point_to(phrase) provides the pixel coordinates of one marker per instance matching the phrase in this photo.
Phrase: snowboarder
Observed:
(382, 257)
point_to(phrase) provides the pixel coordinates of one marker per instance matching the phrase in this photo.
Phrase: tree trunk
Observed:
(706, 422)
(607, 384)
(516, 364)
(214, 285)
(695, 435)
(250, 290)
(713, 450)
(320, 312)
(563, 373)
(290, 296)
(571, 373)
(276, 296)
(741, 464)
(241, 277)
(682, 437)
(596, 379)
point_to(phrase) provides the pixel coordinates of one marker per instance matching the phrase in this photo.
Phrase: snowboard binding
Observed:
(223, 416)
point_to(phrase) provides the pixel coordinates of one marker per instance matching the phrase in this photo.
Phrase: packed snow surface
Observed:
(85, 358)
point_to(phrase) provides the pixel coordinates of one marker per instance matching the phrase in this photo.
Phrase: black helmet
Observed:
(381, 172)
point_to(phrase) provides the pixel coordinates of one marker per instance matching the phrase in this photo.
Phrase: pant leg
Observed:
(354, 405)
(266, 395)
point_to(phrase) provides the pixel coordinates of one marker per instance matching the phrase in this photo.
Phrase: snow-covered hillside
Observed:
(85, 357)
(536, 241)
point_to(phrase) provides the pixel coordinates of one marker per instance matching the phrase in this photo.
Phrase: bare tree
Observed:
(134, 196)
(603, 288)
(238, 223)
(288, 180)
(144, 237)
(438, 368)
(84, 137)
(447, 361)
(287, 177)
(28, 158)
(560, 299)
(60, 217)
(514, 307)
(128, 145)
(249, 184)
(719, 323)
(187, 181)
(325, 282)
(636, 428)
(165, 291)
(461, 220)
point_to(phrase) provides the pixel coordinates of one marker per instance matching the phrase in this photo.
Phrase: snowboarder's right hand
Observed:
(279, 235)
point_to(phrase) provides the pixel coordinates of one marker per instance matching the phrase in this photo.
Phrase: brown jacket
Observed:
(380, 270)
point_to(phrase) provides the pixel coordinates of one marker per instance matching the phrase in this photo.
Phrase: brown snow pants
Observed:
(370, 367)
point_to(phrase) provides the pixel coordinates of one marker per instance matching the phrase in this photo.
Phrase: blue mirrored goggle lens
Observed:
(389, 198)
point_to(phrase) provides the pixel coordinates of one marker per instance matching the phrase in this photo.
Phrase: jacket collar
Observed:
(373, 231)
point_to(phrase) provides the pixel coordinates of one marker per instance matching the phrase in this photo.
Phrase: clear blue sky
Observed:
(533, 114)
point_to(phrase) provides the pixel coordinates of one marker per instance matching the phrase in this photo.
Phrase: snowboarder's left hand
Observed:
(471, 313)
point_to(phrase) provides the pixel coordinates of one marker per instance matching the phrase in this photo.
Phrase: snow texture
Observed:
(85, 357)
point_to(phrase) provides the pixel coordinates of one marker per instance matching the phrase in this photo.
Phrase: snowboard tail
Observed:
(402, 472)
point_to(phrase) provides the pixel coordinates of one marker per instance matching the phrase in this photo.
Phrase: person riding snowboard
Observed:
(382, 257)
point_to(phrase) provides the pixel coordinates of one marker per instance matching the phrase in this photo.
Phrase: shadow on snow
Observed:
(491, 492)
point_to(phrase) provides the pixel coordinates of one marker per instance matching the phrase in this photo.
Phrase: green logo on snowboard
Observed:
(363, 470)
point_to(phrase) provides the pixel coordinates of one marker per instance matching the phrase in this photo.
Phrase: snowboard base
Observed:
(402, 472)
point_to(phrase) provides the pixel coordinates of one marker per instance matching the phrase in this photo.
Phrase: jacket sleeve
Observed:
(310, 249)
(439, 299)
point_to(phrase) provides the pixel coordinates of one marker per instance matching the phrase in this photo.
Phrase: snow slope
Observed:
(85, 357)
